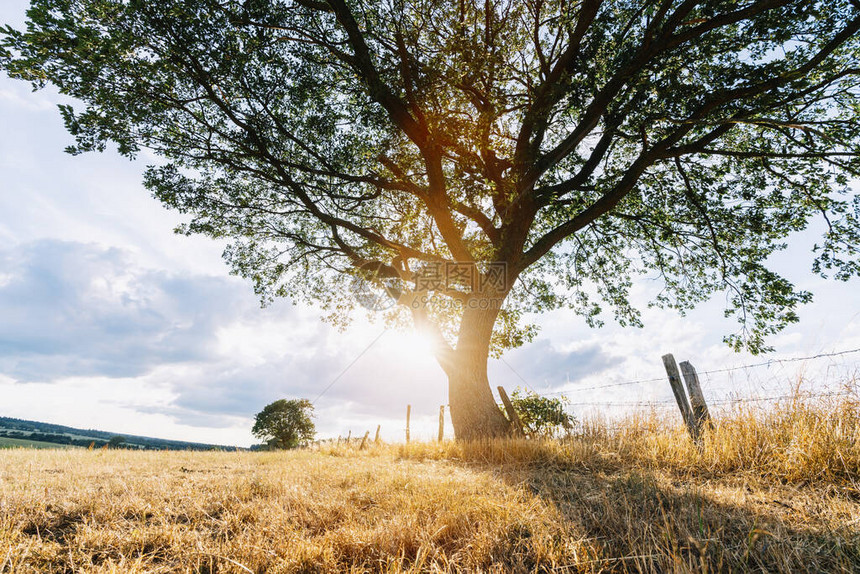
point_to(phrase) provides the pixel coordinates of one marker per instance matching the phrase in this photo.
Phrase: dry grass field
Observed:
(774, 491)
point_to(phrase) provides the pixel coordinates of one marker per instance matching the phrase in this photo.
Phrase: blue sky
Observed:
(109, 320)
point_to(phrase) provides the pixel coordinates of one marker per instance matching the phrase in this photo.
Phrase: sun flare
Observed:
(411, 347)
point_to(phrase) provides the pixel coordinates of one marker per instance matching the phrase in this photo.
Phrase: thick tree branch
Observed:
(379, 91)
(551, 90)
(649, 50)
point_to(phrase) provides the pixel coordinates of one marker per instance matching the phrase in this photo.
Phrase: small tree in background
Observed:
(285, 424)
(542, 416)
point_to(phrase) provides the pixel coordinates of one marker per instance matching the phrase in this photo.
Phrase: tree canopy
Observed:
(285, 423)
(577, 143)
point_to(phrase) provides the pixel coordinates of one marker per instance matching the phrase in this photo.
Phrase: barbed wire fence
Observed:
(717, 396)
(729, 396)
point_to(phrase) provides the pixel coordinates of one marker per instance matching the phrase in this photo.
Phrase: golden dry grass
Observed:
(767, 492)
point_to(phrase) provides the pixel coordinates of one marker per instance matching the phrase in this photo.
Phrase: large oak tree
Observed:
(573, 144)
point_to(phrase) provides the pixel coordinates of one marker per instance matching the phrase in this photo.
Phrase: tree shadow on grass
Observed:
(642, 521)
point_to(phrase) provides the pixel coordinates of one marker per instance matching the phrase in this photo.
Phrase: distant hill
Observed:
(22, 431)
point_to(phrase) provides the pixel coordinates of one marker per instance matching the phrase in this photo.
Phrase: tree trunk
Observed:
(474, 412)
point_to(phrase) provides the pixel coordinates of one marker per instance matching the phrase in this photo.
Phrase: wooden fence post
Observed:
(697, 399)
(680, 395)
(441, 422)
(364, 440)
(408, 413)
(376, 440)
(512, 413)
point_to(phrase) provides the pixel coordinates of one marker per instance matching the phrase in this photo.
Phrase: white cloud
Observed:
(38, 102)
(113, 405)
(81, 316)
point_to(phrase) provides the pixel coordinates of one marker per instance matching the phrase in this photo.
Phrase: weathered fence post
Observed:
(376, 439)
(441, 422)
(512, 413)
(680, 395)
(364, 440)
(697, 399)
(408, 413)
(349, 438)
